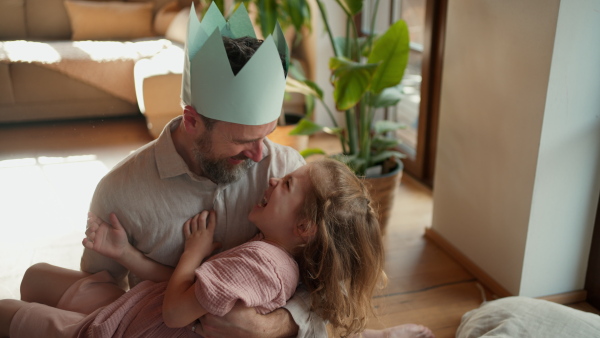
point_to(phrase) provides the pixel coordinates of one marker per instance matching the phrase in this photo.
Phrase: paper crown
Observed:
(252, 97)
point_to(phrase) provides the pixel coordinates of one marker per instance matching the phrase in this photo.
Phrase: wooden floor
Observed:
(48, 172)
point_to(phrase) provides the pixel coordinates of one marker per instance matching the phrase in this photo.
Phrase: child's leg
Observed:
(8, 308)
(44, 283)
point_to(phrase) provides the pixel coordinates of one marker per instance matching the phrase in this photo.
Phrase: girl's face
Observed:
(277, 214)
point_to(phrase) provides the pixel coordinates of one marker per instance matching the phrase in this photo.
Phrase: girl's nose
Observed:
(273, 181)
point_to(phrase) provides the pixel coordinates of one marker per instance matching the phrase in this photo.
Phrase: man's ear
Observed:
(305, 230)
(191, 120)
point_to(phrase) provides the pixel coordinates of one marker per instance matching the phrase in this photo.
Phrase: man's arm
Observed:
(110, 240)
(309, 323)
(293, 320)
(244, 321)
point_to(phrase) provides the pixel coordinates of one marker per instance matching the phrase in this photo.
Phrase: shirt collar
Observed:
(168, 161)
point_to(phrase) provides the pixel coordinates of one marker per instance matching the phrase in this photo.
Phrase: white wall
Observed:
(567, 181)
(516, 183)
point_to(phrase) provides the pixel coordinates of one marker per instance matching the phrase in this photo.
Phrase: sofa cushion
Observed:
(6, 94)
(47, 20)
(12, 20)
(165, 16)
(177, 30)
(94, 20)
(158, 4)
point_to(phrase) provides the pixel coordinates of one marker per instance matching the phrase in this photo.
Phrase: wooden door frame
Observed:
(422, 167)
(592, 278)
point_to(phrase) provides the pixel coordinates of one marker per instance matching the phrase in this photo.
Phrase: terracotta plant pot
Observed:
(383, 190)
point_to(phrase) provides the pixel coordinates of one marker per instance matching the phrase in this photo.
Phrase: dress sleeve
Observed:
(260, 278)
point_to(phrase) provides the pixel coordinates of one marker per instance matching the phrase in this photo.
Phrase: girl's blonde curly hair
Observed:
(342, 265)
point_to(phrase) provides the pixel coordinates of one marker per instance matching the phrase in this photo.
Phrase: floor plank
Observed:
(440, 308)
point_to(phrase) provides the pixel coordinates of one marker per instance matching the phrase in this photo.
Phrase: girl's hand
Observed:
(199, 232)
(104, 238)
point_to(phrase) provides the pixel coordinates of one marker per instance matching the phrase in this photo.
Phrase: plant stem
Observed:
(352, 132)
(354, 33)
(327, 27)
(365, 132)
(348, 52)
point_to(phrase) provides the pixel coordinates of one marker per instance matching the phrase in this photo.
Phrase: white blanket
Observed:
(107, 65)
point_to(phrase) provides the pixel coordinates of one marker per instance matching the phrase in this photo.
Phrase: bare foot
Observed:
(400, 331)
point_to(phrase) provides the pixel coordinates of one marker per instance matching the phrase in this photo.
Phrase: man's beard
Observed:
(219, 171)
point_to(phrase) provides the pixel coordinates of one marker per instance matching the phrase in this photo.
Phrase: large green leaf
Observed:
(311, 151)
(267, 15)
(350, 81)
(306, 127)
(351, 7)
(385, 155)
(387, 98)
(382, 143)
(391, 51)
(298, 12)
(305, 87)
(383, 126)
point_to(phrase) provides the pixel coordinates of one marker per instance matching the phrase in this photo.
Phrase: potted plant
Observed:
(366, 72)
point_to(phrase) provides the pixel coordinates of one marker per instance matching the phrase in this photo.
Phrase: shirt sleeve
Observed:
(309, 323)
(252, 276)
(92, 261)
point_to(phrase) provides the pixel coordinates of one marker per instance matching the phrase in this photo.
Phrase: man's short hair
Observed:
(240, 50)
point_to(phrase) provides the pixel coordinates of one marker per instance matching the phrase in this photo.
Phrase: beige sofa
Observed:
(91, 59)
(59, 62)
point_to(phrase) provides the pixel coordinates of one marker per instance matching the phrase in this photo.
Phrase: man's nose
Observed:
(254, 152)
(273, 181)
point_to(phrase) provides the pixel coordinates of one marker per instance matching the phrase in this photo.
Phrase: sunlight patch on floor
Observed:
(46, 197)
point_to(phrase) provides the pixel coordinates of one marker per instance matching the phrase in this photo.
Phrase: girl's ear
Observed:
(305, 230)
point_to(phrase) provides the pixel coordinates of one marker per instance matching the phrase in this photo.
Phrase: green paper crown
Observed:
(252, 97)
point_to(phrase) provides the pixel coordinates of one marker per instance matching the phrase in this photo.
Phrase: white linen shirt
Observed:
(153, 193)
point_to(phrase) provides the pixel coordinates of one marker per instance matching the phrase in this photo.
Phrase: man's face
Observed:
(229, 149)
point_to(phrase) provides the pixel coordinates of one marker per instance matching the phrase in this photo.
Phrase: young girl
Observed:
(319, 216)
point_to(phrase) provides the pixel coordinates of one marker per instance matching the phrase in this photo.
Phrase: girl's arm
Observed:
(110, 240)
(180, 306)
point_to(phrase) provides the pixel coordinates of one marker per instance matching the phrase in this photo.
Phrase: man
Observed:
(197, 163)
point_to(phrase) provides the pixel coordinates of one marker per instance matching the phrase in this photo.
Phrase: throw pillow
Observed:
(96, 20)
(165, 16)
(178, 28)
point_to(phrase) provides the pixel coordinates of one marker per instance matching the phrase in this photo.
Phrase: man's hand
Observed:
(244, 321)
(109, 240)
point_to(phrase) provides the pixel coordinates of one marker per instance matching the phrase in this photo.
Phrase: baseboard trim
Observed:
(489, 282)
(485, 279)
(567, 297)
